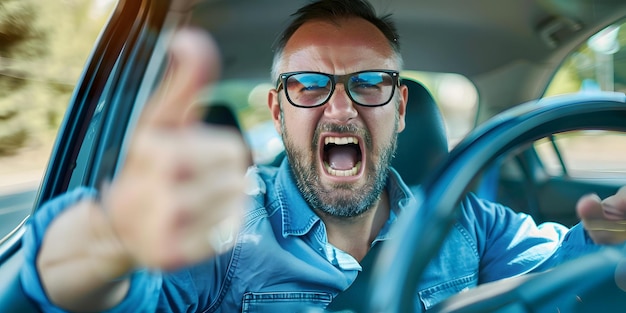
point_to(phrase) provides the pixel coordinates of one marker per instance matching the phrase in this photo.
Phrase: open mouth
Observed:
(342, 156)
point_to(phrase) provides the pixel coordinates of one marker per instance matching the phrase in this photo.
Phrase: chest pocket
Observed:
(292, 301)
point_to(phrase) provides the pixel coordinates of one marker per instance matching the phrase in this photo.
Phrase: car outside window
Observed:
(457, 99)
(43, 48)
(597, 65)
(584, 154)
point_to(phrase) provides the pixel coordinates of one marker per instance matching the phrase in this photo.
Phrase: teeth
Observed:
(341, 140)
(350, 172)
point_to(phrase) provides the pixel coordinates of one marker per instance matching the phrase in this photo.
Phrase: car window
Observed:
(457, 99)
(597, 65)
(43, 48)
(584, 154)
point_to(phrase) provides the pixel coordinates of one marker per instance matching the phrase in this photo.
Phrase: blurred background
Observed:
(43, 47)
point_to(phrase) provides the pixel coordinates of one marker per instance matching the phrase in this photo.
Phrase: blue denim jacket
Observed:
(281, 260)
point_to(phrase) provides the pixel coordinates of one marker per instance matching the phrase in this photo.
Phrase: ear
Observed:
(274, 105)
(403, 90)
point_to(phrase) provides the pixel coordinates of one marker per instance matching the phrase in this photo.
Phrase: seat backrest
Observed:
(423, 143)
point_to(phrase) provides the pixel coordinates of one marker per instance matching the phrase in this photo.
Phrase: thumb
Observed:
(589, 207)
(194, 63)
(602, 225)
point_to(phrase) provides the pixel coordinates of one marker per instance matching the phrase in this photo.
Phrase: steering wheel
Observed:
(421, 231)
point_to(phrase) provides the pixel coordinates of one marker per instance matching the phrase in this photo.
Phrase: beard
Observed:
(341, 199)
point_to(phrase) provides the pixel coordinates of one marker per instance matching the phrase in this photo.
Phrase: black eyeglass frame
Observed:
(282, 81)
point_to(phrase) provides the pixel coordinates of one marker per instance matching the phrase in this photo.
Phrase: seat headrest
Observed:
(423, 143)
(222, 114)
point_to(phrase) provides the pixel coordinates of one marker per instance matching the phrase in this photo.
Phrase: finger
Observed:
(615, 206)
(217, 179)
(194, 63)
(207, 221)
(589, 207)
(601, 229)
(211, 234)
(210, 197)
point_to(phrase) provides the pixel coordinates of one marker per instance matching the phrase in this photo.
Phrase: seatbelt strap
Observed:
(352, 299)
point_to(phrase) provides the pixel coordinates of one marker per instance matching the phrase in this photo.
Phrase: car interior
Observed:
(488, 138)
(567, 287)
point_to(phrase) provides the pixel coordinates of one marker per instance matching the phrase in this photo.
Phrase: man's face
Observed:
(340, 151)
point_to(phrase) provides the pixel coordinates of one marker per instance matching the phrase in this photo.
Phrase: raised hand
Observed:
(181, 187)
(179, 193)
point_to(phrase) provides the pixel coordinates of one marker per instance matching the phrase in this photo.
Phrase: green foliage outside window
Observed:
(43, 47)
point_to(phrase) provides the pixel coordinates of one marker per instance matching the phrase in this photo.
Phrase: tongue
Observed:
(341, 157)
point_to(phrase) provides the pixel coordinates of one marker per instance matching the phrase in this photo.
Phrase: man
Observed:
(173, 206)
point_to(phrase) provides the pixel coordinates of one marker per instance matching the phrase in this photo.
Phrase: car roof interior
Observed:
(483, 40)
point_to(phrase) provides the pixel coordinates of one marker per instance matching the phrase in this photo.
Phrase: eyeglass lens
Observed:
(365, 88)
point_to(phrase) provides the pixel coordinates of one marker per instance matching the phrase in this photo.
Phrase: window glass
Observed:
(457, 99)
(43, 48)
(598, 64)
(585, 154)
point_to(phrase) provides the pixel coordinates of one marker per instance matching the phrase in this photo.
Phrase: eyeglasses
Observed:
(312, 89)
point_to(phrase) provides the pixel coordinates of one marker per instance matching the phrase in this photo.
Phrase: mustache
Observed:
(347, 128)
(343, 129)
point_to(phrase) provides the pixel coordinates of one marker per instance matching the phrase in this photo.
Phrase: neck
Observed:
(355, 235)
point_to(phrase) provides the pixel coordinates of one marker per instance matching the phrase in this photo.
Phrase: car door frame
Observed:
(95, 124)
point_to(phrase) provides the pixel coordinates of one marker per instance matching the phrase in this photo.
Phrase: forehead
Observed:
(345, 45)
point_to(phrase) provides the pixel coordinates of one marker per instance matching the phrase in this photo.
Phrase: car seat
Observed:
(423, 143)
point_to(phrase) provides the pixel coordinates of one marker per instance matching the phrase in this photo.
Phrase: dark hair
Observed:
(333, 10)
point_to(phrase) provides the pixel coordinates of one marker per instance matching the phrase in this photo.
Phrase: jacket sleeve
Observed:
(511, 243)
(145, 286)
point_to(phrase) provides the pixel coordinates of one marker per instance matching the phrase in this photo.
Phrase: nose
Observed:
(340, 106)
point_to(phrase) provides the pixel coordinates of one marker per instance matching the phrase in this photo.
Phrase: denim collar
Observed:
(298, 219)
